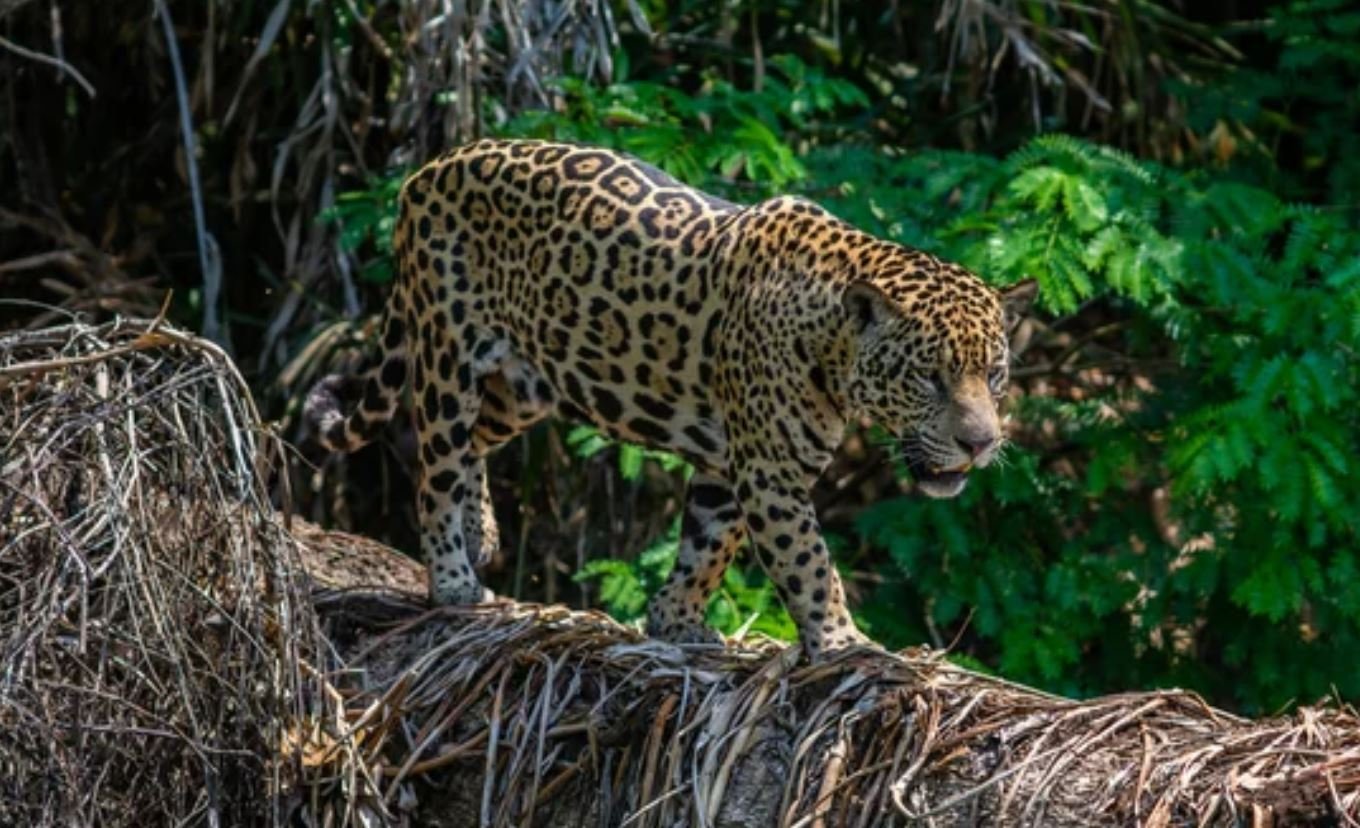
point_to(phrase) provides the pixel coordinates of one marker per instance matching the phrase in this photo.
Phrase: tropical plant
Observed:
(714, 136)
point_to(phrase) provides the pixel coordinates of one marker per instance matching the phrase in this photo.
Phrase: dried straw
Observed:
(524, 715)
(151, 632)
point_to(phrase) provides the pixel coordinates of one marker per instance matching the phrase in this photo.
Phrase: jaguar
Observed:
(537, 278)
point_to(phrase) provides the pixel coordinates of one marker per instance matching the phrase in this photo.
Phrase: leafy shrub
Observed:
(365, 219)
(708, 138)
(1290, 116)
(744, 601)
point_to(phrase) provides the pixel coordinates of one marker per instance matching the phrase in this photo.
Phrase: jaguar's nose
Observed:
(974, 447)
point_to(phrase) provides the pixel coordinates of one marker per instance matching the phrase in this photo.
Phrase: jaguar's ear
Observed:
(1016, 301)
(866, 306)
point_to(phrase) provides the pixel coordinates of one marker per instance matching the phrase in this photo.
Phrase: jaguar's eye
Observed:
(996, 378)
(938, 384)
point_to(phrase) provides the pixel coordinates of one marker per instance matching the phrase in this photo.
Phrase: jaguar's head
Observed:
(931, 366)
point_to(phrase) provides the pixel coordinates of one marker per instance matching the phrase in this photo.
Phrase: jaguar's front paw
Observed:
(826, 645)
(680, 632)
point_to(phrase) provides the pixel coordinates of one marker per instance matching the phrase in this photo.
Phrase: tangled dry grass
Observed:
(151, 627)
(163, 663)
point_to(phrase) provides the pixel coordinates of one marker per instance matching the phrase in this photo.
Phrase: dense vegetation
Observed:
(1181, 505)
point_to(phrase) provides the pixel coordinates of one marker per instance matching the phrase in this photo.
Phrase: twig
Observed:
(35, 370)
(60, 64)
(208, 260)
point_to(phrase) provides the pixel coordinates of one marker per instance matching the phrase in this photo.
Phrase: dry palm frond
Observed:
(1116, 56)
(519, 715)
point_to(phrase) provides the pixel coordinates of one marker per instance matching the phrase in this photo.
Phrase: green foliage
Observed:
(625, 586)
(717, 135)
(365, 219)
(587, 441)
(1290, 119)
(745, 601)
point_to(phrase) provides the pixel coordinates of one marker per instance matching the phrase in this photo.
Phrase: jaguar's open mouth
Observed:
(936, 481)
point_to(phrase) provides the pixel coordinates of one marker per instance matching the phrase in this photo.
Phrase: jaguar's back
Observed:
(592, 271)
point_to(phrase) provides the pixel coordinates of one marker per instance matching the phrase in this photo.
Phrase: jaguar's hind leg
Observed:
(452, 497)
(480, 528)
(513, 399)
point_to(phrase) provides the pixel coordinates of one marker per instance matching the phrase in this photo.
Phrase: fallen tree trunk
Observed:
(165, 663)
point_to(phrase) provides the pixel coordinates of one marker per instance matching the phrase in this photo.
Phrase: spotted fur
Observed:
(537, 277)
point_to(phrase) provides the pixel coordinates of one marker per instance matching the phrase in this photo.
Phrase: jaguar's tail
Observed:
(345, 411)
